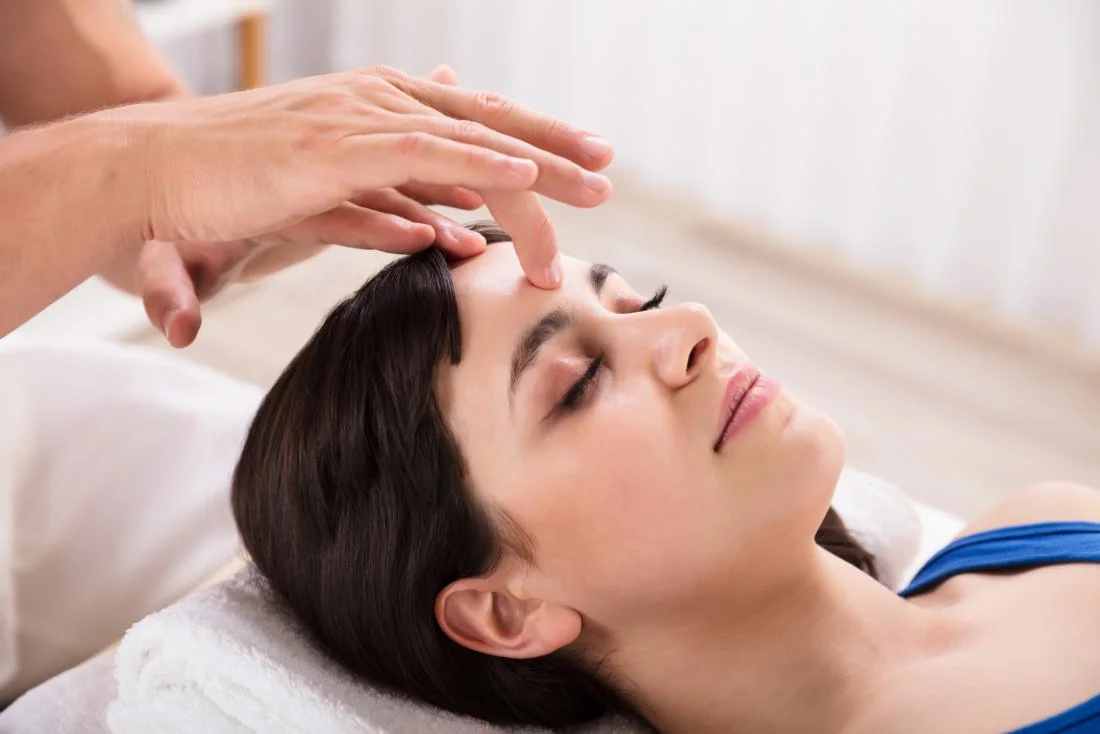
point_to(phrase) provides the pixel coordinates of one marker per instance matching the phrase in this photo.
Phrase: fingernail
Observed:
(594, 146)
(169, 319)
(449, 234)
(424, 234)
(595, 182)
(473, 239)
(553, 273)
(410, 226)
(462, 237)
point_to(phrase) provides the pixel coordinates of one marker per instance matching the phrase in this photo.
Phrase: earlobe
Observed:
(488, 619)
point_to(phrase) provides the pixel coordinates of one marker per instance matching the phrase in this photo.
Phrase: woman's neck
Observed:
(806, 660)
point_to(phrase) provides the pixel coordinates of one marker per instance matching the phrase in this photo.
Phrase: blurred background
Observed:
(893, 206)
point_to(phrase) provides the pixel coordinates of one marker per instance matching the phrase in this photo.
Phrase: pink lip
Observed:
(748, 392)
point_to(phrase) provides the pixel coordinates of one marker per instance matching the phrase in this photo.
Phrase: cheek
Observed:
(620, 506)
(630, 513)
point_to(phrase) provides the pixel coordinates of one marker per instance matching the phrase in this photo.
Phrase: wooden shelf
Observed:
(167, 20)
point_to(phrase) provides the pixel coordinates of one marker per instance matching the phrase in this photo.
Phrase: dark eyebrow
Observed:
(543, 331)
(548, 326)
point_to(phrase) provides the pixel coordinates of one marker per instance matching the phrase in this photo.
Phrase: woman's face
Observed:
(616, 479)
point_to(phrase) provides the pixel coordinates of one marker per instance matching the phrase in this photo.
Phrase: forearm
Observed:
(70, 202)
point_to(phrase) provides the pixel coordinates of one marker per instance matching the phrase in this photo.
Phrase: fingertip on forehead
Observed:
(497, 271)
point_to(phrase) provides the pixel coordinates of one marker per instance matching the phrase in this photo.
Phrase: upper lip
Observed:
(737, 387)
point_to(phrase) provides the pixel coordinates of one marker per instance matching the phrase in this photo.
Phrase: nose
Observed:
(685, 343)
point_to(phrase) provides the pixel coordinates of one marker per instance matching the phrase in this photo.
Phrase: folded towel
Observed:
(231, 659)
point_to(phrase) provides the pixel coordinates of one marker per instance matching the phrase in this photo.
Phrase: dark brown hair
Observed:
(351, 498)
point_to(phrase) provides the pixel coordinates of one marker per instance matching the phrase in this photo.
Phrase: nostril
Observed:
(697, 351)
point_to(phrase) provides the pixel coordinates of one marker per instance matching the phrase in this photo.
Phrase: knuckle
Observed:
(382, 71)
(554, 128)
(368, 85)
(474, 158)
(412, 144)
(470, 131)
(494, 107)
(544, 231)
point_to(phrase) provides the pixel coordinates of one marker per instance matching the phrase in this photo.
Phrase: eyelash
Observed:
(576, 394)
(656, 300)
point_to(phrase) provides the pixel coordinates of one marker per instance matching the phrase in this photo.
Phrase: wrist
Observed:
(90, 174)
(114, 161)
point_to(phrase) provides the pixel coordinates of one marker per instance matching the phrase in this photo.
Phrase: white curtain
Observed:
(300, 44)
(955, 143)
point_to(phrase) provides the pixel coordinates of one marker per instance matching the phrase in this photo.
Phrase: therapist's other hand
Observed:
(288, 162)
(174, 278)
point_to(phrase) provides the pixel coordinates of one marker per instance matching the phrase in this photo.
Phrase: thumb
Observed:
(444, 74)
(168, 293)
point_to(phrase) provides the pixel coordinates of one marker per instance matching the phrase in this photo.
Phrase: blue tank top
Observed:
(1020, 547)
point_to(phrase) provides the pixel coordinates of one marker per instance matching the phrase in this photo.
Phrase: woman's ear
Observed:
(483, 615)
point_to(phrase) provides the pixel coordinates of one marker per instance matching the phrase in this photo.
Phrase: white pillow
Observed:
(883, 518)
(114, 475)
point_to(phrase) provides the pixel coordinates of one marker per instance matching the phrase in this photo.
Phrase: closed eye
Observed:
(575, 396)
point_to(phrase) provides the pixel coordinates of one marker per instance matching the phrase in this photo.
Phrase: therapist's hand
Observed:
(174, 278)
(288, 163)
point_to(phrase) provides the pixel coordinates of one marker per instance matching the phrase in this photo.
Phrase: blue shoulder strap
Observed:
(1016, 547)
(1081, 719)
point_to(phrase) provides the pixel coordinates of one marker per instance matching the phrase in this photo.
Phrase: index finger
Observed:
(520, 214)
(506, 116)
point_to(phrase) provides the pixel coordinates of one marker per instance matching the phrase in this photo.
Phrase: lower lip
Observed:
(762, 393)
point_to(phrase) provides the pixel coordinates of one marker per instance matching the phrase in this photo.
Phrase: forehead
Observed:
(493, 293)
(496, 303)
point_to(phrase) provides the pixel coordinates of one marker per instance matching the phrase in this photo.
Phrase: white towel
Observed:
(231, 659)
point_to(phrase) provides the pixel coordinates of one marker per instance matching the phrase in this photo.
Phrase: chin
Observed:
(792, 464)
(814, 449)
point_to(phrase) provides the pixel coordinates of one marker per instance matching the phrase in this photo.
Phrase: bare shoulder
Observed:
(1053, 501)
